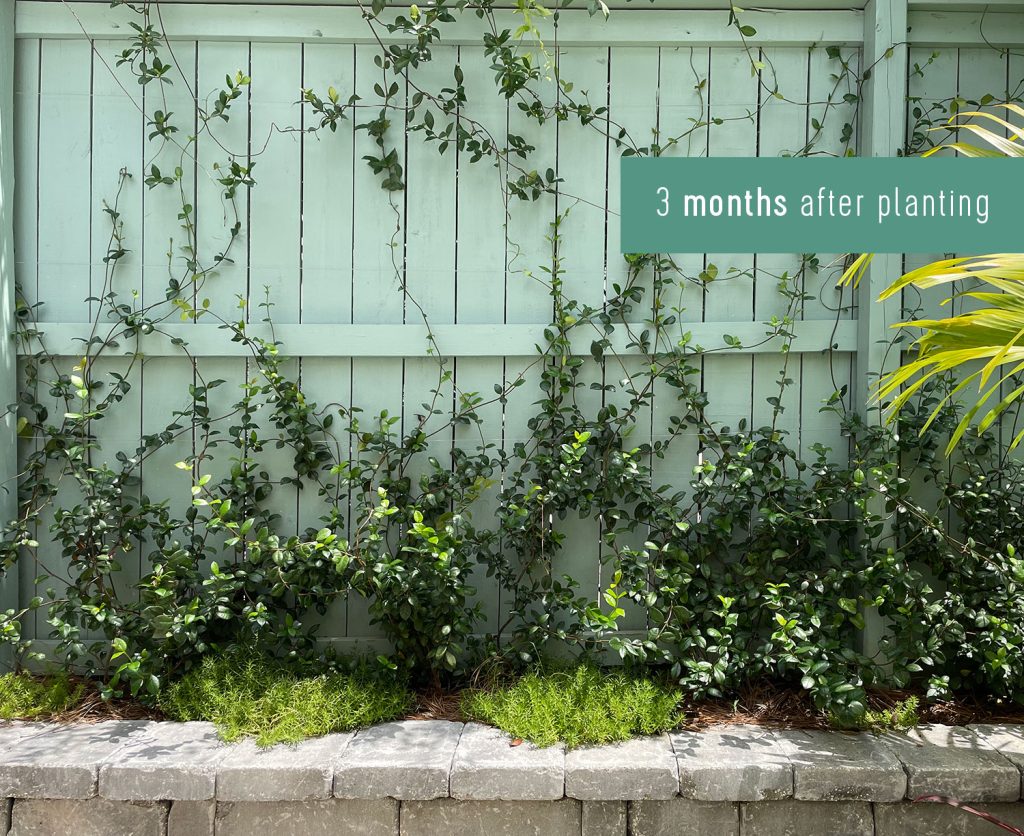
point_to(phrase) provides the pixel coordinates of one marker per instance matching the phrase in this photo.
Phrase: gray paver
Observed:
(644, 767)
(933, 819)
(172, 761)
(406, 760)
(604, 818)
(488, 767)
(330, 817)
(1006, 739)
(61, 761)
(281, 773)
(683, 817)
(451, 817)
(801, 818)
(732, 763)
(953, 761)
(86, 817)
(831, 766)
(192, 818)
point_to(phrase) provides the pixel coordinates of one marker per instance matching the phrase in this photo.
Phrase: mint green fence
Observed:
(319, 232)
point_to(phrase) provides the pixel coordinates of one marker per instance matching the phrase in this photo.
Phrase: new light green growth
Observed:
(904, 715)
(249, 696)
(577, 707)
(24, 697)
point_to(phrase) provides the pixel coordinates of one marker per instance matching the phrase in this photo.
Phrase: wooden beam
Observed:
(345, 24)
(965, 28)
(65, 339)
(883, 127)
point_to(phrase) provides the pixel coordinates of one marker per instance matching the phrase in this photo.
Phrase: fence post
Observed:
(883, 127)
(8, 368)
(882, 131)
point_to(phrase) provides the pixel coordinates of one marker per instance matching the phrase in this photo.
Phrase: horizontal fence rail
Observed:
(497, 340)
(345, 24)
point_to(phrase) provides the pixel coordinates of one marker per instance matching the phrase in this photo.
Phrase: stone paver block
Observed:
(605, 818)
(1006, 739)
(487, 768)
(173, 761)
(61, 761)
(932, 819)
(331, 817)
(5, 814)
(802, 818)
(683, 817)
(732, 763)
(86, 817)
(12, 732)
(191, 818)
(953, 761)
(406, 760)
(281, 773)
(831, 766)
(493, 818)
(644, 767)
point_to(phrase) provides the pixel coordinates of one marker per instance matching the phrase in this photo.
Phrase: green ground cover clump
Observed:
(901, 716)
(577, 707)
(246, 695)
(25, 697)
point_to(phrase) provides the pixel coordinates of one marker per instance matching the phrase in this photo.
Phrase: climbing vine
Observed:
(762, 565)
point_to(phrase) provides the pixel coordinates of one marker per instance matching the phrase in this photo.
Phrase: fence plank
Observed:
(217, 143)
(26, 263)
(481, 288)
(328, 167)
(378, 275)
(782, 131)
(114, 149)
(9, 587)
(732, 97)
(683, 129)
(823, 373)
(275, 228)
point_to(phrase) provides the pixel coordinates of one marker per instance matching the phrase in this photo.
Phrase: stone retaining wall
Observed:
(435, 777)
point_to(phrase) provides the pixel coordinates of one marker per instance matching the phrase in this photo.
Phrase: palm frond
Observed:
(992, 335)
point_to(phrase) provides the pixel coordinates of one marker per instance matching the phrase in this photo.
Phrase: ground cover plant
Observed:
(28, 698)
(764, 564)
(246, 695)
(576, 707)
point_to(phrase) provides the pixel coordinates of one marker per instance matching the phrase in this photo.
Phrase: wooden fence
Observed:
(319, 230)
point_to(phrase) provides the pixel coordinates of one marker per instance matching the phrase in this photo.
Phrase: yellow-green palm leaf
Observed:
(992, 336)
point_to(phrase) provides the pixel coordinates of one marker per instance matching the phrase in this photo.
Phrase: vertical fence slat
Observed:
(8, 365)
(823, 374)
(26, 264)
(733, 97)
(275, 216)
(633, 95)
(782, 131)
(480, 293)
(682, 115)
(378, 258)
(581, 158)
(327, 171)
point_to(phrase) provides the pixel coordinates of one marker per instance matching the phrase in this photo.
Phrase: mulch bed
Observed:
(768, 705)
